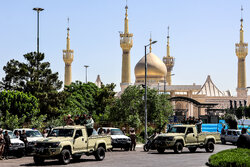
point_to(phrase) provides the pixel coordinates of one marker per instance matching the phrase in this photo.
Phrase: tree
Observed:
(35, 77)
(89, 99)
(17, 108)
(130, 107)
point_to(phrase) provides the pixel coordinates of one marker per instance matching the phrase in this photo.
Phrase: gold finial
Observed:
(68, 40)
(168, 49)
(126, 7)
(241, 20)
(150, 41)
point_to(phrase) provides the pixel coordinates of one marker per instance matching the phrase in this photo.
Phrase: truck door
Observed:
(191, 137)
(80, 144)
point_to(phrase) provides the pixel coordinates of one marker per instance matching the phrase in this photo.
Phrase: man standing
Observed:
(90, 125)
(244, 139)
(7, 145)
(23, 137)
(1, 143)
(69, 120)
(77, 120)
(133, 139)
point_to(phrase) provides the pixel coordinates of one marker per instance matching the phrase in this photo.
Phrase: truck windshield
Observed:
(177, 130)
(116, 132)
(33, 133)
(61, 133)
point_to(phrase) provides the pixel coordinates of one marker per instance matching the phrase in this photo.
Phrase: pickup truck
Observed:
(65, 142)
(180, 136)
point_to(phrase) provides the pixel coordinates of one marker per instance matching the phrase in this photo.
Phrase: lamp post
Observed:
(86, 66)
(38, 11)
(146, 67)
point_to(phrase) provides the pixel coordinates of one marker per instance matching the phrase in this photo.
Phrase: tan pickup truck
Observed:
(180, 136)
(71, 141)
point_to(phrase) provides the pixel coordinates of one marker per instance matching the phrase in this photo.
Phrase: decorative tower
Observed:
(169, 62)
(126, 43)
(68, 58)
(241, 50)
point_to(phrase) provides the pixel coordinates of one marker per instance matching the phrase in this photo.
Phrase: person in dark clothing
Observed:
(223, 130)
(77, 120)
(244, 139)
(133, 139)
(23, 137)
(1, 143)
(7, 145)
(84, 119)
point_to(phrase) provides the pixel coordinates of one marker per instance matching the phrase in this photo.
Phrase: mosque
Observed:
(206, 101)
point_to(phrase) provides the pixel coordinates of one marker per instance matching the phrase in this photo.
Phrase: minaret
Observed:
(169, 62)
(68, 58)
(126, 43)
(241, 50)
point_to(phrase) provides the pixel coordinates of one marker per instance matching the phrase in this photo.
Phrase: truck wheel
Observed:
(161, 150)
(100, 154)
(65, 156)
(38, 160)
(178, 147)
(76, 157)
(192, 149)
(145, 148)
(209, 146)
(223, 141)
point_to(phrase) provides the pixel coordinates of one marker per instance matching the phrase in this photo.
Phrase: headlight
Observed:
(114, 141)
(54, 145)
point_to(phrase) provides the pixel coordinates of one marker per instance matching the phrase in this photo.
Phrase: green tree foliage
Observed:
(17, 108)
(89, 99)
(130, 107)
(35, 77)
(231, 121)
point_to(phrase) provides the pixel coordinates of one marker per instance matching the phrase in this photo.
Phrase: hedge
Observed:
(237, 157)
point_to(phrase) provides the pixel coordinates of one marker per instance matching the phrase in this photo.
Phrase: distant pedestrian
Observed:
(77, 120)
(84, 119)
(45, 133)
(1, 144)
(108, 132)
(124, 130)
(69, 120)
(23, 137)
(17, 134)
(199, 125)
(223, 130)
(90, 125)
(133, 139)
(7, 145)
(244, 139)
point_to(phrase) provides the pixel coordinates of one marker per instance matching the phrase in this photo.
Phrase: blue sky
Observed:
(202, 36)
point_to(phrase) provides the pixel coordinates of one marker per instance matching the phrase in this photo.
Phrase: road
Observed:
(138, 158)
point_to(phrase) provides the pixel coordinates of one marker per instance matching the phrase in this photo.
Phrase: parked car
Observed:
(17, 146)
(64, 143)
(32, 136)
(119, 140)
(231, 136)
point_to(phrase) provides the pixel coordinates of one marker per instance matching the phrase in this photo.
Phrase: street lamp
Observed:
(146, 117)
(86, 66)
(38, 11)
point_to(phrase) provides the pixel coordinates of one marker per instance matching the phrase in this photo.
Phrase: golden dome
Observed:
(156, 69)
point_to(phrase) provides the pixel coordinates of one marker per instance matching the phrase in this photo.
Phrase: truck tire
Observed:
(209, 146)
(38, 160)
(100, 154)
(178, 147)
(65, 156)
(192, 149)
(161, 150)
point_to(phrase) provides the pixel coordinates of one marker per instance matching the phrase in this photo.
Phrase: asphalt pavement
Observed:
(138, 158)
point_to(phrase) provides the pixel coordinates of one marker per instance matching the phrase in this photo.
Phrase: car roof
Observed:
(109, 128)
(234, 130)
(26, 129)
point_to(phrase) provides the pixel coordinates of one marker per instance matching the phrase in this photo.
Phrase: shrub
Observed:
(238, 157)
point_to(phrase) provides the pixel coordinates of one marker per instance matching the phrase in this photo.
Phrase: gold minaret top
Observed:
(126, 43)
(169, 62)
(68, 56)
(241, 50)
